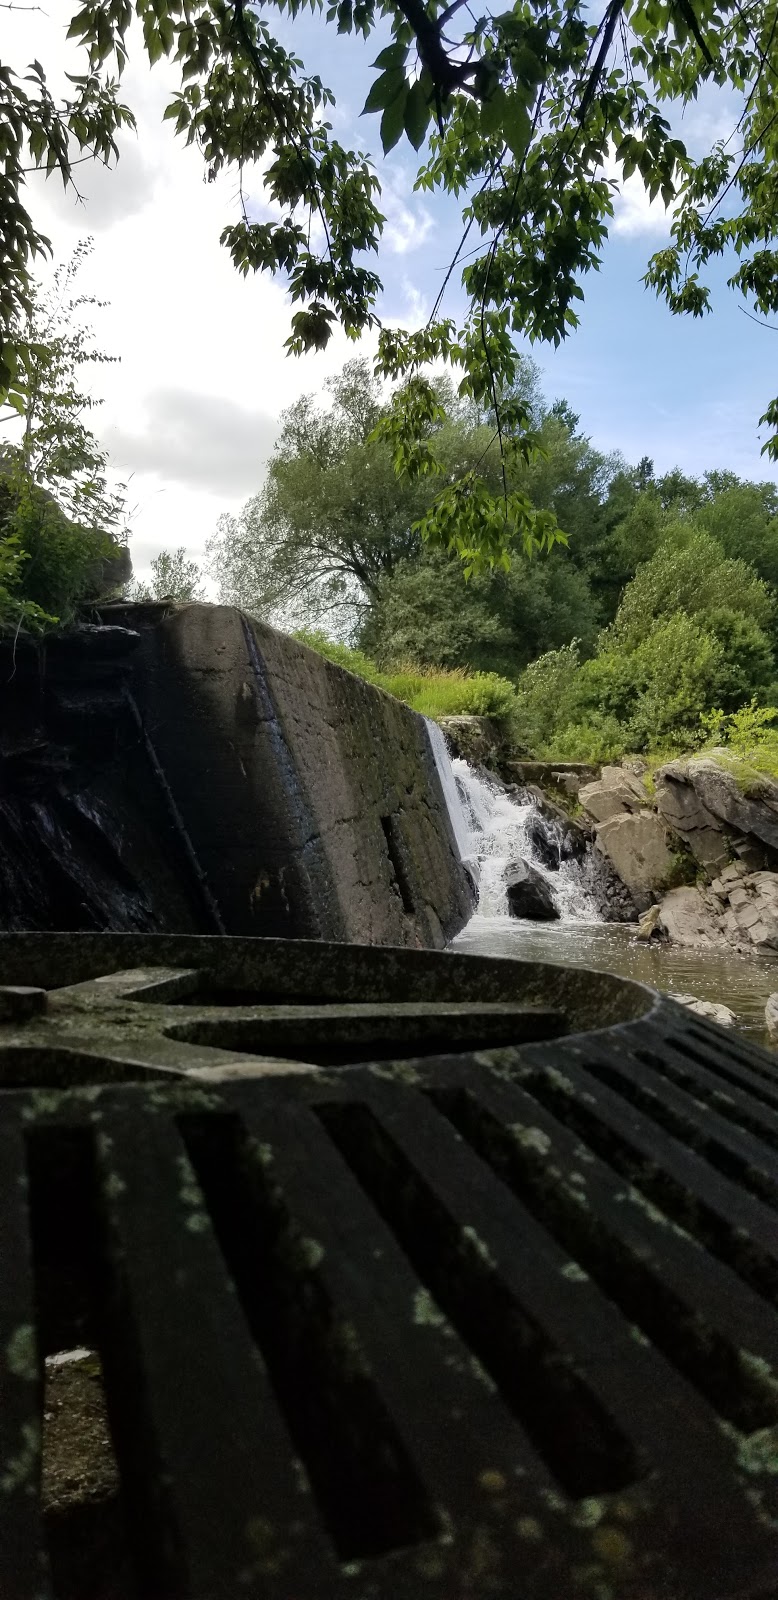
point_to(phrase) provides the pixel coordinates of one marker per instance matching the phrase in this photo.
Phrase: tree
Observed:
(334, 521)
(56, 449)
(61, 538)
(520, 111)
(173, 577)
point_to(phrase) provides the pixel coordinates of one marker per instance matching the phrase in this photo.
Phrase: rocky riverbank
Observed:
(691, 850)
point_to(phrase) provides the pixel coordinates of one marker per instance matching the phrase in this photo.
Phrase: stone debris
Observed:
(707, 1008)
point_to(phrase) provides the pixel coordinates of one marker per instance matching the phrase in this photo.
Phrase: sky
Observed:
(191, 409)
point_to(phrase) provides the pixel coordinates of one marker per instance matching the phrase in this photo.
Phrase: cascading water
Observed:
(495, 830)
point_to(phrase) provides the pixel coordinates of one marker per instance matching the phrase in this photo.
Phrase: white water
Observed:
(493, 830)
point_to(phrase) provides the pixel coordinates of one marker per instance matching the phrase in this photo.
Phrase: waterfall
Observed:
(494, 830)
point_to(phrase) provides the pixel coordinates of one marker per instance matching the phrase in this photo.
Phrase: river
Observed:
(494, 829)
(741, 982)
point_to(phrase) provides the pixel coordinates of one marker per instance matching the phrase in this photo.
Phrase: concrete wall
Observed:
(310, 798)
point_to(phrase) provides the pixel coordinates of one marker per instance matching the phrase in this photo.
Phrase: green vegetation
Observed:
(647, 621)
(520, 116)
(59, 519)
(433, 692)
(173, 577)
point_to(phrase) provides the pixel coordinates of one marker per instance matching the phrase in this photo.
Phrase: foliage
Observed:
(673, 653)
(332, 539)
(173, 577)
(520, 113)
(435, 693)
(56, 507)
(57, 563)
(334, 523)
(15, 612)
(56, 448)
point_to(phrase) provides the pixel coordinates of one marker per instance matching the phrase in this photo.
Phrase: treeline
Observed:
(660, 609)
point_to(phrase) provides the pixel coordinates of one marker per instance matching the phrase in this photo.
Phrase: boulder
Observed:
(615, 792)
(771, 1017)
(725, 796)
(707, 1008)
(679, 804)
(529, 895)
(686, 917)
(637, 845)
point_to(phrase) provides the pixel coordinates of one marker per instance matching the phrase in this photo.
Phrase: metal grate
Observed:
(489, 1322)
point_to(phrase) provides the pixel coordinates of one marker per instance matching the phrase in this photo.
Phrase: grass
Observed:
(433, 691)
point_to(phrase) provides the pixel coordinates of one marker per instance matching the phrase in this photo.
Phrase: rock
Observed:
(727, 798)
(648, 924)
(637, 846)
(686, 917)
(615, 792)
(771, 1017)
(682, 809)
(529, 895)
(708, 1008)
(565, 775)
(546, 844)
(474, 739)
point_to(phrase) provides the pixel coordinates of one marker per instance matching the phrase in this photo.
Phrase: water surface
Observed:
(742, 982)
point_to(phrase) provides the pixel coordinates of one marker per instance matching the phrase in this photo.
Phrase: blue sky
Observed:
(191, 412)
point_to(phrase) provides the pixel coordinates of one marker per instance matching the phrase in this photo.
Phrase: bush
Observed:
(55, 563)
(432, 691)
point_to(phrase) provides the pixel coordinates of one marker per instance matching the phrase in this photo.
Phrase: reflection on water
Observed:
(741, 982)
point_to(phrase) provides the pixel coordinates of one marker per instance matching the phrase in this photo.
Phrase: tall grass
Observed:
(434, 691)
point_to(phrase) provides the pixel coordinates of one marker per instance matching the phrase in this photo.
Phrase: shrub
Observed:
(434, 692)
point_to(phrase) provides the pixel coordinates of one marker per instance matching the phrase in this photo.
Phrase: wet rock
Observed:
(648, 924)
(529, 895)
(474, 739)
(707, 1008)
(771, 1017)
(546, 842)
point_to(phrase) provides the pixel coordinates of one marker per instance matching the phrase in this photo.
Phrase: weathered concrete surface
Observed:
(310, 798)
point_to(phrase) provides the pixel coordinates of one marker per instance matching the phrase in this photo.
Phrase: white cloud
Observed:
(198, 440)
(191, 411)
(408, 223)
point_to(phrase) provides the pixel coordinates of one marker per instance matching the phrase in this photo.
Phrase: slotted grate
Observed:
(499, 1320)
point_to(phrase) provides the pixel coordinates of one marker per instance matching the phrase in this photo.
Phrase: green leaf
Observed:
(416, 115)
(393, 56)
(516, 125)
(384, 90)
(493, 111)
(393, 120)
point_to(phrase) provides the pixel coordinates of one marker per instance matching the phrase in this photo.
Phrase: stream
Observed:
(494, 829)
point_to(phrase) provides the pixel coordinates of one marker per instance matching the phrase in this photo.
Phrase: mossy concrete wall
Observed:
(311, 799)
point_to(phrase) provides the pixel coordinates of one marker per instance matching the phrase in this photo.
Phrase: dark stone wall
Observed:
(311, 799)
(182, 769)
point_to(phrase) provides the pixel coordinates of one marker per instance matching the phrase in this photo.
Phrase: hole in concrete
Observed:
(82, 1504)
(369, 1494)
(395, 852)
(708, 1360)
(581, 1444)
